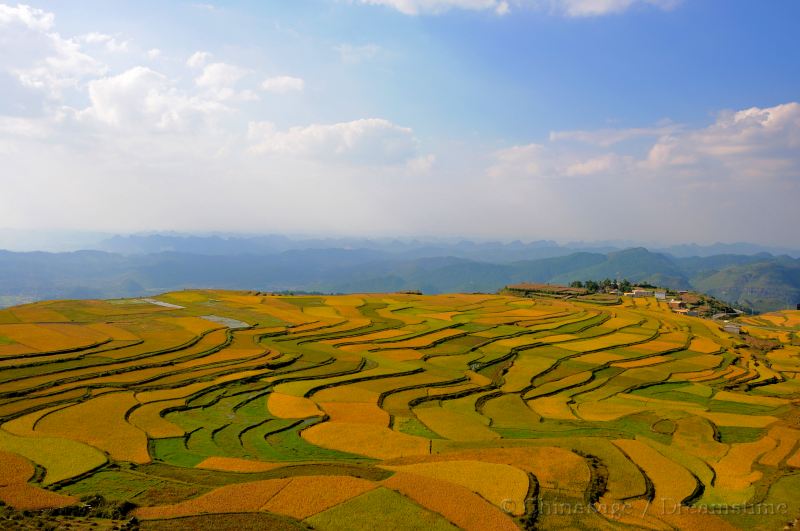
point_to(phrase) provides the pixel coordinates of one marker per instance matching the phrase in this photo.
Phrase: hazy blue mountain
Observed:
(761, 281)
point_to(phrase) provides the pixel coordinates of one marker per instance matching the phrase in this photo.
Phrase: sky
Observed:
(668, 121)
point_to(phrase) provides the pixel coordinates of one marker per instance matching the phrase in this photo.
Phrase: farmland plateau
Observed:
(204, 409)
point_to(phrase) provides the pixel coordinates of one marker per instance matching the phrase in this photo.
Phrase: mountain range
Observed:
(130, 266)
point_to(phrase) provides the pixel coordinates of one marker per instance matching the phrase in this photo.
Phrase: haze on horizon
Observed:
(643, 120)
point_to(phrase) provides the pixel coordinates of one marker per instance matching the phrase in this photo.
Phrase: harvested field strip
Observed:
(508, 483)
(365, 439)
(462, 507)
(455, 425)
(100, 422)
(672, 482)
(199, 346)
(308, 495)
(243, 497)
(396, 511)
(15, 491)
(61, 458)
(291, 407)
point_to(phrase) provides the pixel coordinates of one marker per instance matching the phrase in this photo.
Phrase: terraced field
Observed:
(214, 409)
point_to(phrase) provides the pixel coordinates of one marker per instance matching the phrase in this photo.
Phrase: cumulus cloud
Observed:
(153, 53)
(40, 58)
(370, 141)
(198, 59)
(143, 98)
(111, 43)
(283, 84)
(32, 18)
(220, 79)
(755, 143)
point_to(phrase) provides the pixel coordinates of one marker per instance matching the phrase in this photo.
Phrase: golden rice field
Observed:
(400, 411)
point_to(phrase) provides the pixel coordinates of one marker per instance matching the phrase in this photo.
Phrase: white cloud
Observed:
(354, 54)
(40, 58)
(111, 43)
(755, 143)
(153, 53)
(370, 141)
(283, 84)
(220, 79)
(143, 98)
(217, 75)
(198, 59)
(32, 18)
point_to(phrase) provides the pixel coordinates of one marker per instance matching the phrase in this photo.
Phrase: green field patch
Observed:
(737, 434)
(122, 485)
(723, 406)
(380, 508)
(672, 391)
(412, 426)
(224, 522)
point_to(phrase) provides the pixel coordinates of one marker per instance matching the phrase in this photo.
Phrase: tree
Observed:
(625, 285)
(576, 284)
(592, 286)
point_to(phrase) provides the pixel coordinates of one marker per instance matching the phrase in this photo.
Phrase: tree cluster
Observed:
(605, 285)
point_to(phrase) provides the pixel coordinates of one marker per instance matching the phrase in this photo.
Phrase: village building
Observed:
(732, 328)
(675, 304)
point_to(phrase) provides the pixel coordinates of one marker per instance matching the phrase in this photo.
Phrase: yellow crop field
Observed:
(703, 345)
(611, 340)
(15, 491)
(147, 417)
(309, 495)
(642, 362)
(672, 482)
(38, 313)
(291, 407)
(42, 337)
(61, 458)
(454, 424)
(553, 407)
(787, 439)
(462, 507)
(100, 422)
(365, 439)
(422, 341)
(355, 413)
(195, 325)
(242, 497)
(357, 392)
(508, 482)
(735, 470)
(330, 403)
(189, 389)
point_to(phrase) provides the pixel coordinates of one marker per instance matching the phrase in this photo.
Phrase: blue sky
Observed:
(558, 119)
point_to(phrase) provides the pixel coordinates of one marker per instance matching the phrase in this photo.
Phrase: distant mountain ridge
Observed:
(760, 281)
